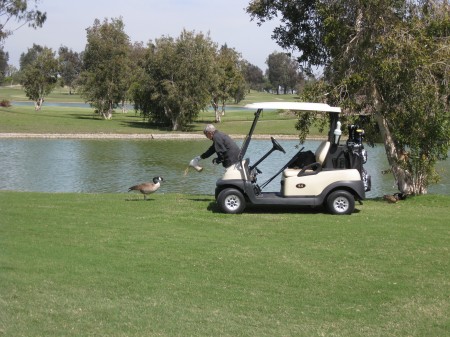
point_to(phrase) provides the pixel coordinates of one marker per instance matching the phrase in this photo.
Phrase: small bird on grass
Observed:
(147, 188)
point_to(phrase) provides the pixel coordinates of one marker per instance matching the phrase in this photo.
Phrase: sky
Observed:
(225, 20)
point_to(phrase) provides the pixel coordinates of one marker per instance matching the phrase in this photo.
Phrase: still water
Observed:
(109, 166)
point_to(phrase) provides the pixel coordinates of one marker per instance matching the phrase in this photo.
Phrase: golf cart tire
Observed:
(341, 202)
(231, 201)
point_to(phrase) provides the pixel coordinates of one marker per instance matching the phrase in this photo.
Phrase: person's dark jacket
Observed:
(226, 149)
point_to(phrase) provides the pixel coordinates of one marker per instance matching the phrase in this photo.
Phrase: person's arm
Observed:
(208, 153)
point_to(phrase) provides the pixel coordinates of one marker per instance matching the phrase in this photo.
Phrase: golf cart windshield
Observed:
(294, 106)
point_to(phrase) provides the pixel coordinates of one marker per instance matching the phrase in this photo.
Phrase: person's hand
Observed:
(194, 164)
(216, 161)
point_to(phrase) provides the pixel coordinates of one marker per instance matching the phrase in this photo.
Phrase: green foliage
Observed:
(30, 56)
(4, 57)
(70, 65)
(386, 59)
(413, 80)
(176, 85)
(19, 11)
(5, 103)
(282, 72)
(232, 81)
(254, 76)
(228, 81)
(39, 73)
(424, 135)
(110, 265)
(106, 66)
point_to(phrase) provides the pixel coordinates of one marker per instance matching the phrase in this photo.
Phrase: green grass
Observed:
(16, 93)
(83, 120)
(115, 265)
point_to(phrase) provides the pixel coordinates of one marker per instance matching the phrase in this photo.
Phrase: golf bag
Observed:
(357, 155)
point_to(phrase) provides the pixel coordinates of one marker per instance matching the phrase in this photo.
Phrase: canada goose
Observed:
(390, 198)
(394, 198)
(147, 188)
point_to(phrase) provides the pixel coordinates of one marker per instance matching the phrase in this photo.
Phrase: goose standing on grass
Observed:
(147, 188)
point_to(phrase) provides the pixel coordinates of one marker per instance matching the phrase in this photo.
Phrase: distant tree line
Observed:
(168, 80)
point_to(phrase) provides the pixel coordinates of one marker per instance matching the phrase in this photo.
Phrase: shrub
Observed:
(5, 103)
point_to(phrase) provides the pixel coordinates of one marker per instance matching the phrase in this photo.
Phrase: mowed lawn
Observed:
(115, 265)
(70, 119)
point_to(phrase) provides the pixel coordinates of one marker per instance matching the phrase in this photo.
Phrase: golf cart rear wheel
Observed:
(341, 202)
(231, 201)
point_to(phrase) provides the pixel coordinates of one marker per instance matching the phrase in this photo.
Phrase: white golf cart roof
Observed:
(321, 107)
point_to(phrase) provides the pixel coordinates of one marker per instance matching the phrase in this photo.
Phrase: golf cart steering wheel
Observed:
(277, 145)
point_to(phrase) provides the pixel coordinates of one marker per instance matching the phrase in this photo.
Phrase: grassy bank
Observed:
(113, 265)
(16, 93)
(23, 119)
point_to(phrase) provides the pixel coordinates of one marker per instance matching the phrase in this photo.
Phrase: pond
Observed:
(110, 166)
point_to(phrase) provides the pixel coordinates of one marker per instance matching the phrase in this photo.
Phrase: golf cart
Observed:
(332, 176)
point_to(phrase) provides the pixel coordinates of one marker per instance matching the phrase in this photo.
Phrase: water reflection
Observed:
(103, 166)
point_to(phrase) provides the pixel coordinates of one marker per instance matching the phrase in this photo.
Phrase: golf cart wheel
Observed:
(341, 202)
(231, 201)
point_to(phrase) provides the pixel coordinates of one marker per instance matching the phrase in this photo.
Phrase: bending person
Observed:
(226, 149)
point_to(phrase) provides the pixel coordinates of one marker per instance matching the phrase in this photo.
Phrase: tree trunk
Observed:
(124, 107)
(216, 111)
(223, 108)
(107, 115)
(38, 104)
(175, 124)
(395, 157)
(173, 118)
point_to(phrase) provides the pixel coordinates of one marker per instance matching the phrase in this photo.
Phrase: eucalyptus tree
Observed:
(19, 12)
(12, 74)
(70, 65)
(4, 58)
(282, 72)
(230, 79)
(254, 76)
(387, 59)
(241, 88)
(274, 70)
(104, 80)
(176, 86)
(30, 56)
(39, 73)
(137, 76)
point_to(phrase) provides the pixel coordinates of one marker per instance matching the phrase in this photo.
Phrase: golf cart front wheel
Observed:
(341, 202)
(231, 201)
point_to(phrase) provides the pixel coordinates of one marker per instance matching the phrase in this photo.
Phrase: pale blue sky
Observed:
(225, 20)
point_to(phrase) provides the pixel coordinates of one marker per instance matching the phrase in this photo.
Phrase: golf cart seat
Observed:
(320, 154)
